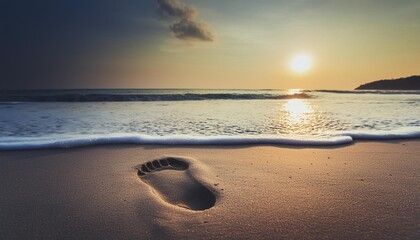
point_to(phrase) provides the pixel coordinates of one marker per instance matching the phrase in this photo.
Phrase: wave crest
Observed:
(144, 97)
(58, 141)
(416, 92)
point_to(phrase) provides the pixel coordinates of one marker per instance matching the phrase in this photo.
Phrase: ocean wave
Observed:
(58, 141)
(402, 133)
(416, 92)
(79, 141)
(5, 97)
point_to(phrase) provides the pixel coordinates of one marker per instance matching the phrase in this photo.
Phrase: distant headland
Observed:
(408, 83)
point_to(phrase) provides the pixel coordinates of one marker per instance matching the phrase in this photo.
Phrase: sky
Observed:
(227, 44)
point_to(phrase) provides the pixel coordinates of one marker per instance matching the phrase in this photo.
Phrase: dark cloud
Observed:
(176, 9)
(184, 27)
(190, 30)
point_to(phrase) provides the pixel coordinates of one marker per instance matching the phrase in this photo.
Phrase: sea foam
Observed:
(78, 141)
(88, 140)
(402, 133)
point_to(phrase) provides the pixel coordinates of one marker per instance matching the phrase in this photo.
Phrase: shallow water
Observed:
(73, 118)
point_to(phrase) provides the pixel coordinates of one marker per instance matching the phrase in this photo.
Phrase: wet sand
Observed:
(367, 190)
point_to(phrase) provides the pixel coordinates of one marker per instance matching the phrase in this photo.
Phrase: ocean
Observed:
(71, 118)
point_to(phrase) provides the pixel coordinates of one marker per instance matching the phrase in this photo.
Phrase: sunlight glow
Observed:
(301, 63)
(297, 110)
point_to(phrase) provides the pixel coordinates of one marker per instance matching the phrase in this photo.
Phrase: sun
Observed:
(301, 63)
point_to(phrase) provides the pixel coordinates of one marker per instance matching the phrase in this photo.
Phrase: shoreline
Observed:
(280, 142)
(365, 190)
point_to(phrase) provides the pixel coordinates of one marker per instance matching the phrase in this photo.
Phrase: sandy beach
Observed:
(367, 190)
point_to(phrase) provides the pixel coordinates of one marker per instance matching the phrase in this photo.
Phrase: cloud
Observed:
(190, 30)
(183, 24)
(176, 9)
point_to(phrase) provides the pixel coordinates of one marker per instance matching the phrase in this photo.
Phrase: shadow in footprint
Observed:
(171, 180)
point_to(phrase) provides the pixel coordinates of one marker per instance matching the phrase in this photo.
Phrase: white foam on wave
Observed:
(86, 140)
(402, 133)
(59, 141)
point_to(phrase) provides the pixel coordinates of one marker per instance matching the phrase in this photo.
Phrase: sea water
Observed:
(69, 118)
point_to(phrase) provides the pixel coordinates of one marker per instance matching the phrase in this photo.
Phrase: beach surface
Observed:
(366, 190)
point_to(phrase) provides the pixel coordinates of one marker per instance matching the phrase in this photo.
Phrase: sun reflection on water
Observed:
(297, 110)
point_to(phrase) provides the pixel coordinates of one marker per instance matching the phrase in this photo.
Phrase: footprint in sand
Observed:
(171, 179)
